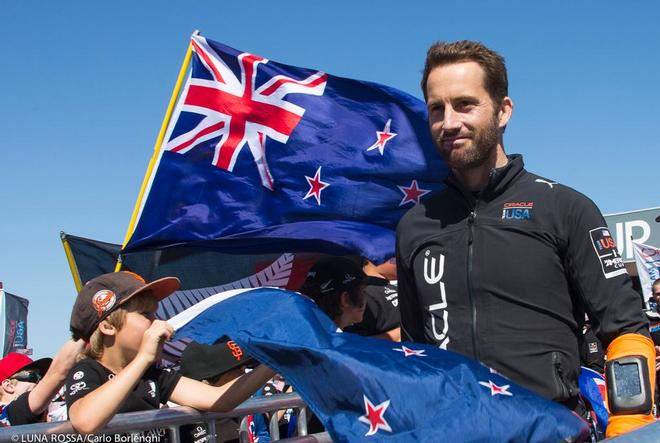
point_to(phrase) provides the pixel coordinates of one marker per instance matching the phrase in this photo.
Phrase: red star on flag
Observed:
(412, 193)
(316, 186)
(383, 137)
(407, 352)
(374, 416)
(495, 390)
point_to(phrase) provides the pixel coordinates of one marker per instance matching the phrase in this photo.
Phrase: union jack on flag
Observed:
(236, 113)
(264, 157)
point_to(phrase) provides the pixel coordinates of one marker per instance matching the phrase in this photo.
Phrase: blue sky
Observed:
(84, 86)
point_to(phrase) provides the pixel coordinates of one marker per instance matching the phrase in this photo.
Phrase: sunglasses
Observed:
(27, 376)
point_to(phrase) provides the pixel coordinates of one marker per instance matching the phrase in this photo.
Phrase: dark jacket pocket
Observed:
(563, 387)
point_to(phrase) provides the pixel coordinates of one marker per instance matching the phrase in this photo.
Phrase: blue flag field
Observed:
(367, 390)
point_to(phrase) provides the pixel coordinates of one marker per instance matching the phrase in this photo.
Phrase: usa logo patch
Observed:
(517, 211)
(607, 253)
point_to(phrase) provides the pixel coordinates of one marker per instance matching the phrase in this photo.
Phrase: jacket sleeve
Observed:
(597, 274)
(412, 318)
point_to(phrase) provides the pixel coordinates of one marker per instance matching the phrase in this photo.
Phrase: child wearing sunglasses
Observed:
(26, 386)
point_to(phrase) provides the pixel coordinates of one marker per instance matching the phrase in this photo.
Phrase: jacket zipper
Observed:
(473, 305)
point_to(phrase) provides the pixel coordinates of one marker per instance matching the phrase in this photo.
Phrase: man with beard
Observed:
(501, 265)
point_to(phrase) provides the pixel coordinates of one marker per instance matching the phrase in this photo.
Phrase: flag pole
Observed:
(159, 141)
(72, 262)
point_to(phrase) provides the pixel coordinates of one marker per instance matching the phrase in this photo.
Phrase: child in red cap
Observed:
(26, 386)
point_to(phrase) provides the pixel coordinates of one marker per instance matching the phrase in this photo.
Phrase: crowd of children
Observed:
(110, 365)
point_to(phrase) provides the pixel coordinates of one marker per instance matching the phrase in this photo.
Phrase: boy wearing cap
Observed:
(214, 365)
(337, 285)
(26, 386)
(115, 314)
(381, 315)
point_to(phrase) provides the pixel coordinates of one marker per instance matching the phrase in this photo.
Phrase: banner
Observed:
(194, 267)
(647, 259)
(13, 313)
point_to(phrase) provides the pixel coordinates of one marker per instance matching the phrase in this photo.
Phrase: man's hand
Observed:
(153, 340)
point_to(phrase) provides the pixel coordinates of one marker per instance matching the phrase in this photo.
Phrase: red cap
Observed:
(15, 362)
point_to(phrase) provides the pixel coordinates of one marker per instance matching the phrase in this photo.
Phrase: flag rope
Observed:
(159, 141)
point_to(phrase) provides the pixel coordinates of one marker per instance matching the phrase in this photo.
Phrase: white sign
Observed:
(635, 226)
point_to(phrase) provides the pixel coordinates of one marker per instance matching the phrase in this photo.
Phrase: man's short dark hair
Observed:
(444, 53)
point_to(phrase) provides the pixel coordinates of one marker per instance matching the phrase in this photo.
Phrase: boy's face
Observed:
(23, 386)
(656, 292)
(21, 382)
(129, 337)
(353, 313)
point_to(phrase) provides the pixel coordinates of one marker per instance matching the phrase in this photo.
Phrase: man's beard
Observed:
(483, 144)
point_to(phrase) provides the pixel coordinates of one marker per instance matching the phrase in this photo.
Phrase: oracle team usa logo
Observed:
(433, 272)
(607, 253)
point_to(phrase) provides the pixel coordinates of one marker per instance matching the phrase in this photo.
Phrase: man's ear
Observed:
(504, 114)
(106, 328)
(8, 386)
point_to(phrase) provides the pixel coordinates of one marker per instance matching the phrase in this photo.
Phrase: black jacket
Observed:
(506, 276)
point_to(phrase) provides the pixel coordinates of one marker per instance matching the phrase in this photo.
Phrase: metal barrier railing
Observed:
(171, 419)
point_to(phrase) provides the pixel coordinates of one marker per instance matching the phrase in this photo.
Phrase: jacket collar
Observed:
(498, 182)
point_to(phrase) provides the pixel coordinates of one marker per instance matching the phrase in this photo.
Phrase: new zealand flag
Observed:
(365, 389)
(265, 157)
